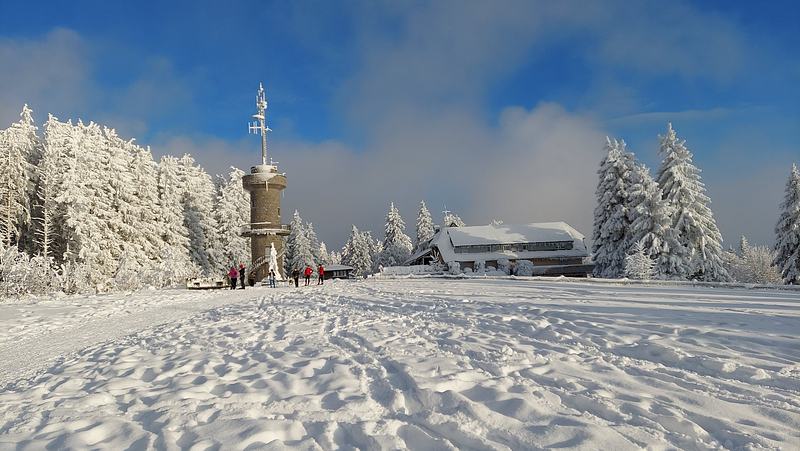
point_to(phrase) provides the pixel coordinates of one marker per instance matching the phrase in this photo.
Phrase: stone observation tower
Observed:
(265, 185)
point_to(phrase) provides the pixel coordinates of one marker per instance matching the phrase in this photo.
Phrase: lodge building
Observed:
(554, 248)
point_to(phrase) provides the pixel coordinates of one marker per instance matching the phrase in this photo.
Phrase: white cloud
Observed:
(50, 74)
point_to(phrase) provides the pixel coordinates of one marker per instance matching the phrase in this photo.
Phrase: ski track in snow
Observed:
(395, 364)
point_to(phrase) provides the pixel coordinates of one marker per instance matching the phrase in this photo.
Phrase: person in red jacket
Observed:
(321, 272)
(307, 274)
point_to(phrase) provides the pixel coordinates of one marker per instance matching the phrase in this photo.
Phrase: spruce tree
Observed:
(198, 204)
(692, 219)
(313, 241)
(357, 252)
(303, 253)
(424, 225)
(324, 257)
(638, 264)
(787, 231)
(651, 225)
(172, 228)
(451, 219)
(232, 213)
(297, 229)
(396, 244)
(44, 204)
(18, 147)
(611, 220)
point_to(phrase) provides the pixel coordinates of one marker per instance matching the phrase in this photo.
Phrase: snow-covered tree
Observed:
(787, 231)
(198, 216)
(324, 257)
(424, 225)
(128, 276)
(335, 258)
(313, 241)
(135, 194)
(451, 219)
(692, 218)
(651, 225)
(297, 229)
(302, 252)
(18, 148)
(172, 228)
(357, 252)
(611, 219)
(74, 278)
(396, 244)
(42, 275)
(638, 264)
(45, 214)
(753, 264)
(233, 212)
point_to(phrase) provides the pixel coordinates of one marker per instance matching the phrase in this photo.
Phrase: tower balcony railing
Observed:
(265, 228)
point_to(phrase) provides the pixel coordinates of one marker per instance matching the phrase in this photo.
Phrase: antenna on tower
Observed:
(259, 126)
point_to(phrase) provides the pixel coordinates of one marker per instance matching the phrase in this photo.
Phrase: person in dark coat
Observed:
(233, 274)
(242, 273)
(272, 278)
(321, 274)
(296, 277)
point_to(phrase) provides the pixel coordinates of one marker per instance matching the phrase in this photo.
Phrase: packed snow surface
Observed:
(411, 363)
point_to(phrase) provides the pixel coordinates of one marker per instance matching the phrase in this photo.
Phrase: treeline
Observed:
(663, 226)
(82, 209)
(362, 251)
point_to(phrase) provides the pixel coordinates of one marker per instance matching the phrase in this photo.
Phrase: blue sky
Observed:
(497, 109)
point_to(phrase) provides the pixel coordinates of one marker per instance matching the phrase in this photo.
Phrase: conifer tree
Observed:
(313, 241)
(297, 229)
(451, 219)
(303, 253)
(172, 228)
(357, 252)
(45, 203)
(787, 231)
(639, 265)
(651, 225)
(424, 225)
(198, 204)
(232, 212)
(692, 219)
(396, 244)
(324, 256)
(611, 220)
(18, 148)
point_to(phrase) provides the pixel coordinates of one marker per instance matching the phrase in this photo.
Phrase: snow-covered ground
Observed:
(413, 363)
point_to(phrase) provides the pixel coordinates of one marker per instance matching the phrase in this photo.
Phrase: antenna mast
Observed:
(259, 127)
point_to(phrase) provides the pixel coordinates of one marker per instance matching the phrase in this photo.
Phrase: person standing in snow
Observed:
(242, 273)
(272, 278)
(307, 274)
(321, 273)
(233, 274)
(296, 277)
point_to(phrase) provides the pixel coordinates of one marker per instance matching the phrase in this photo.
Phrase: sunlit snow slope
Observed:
(420, 364)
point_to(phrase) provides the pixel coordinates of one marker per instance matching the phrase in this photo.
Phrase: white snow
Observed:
(411, 363)
(514, 233)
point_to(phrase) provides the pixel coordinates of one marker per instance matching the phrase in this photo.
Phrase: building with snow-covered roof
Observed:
(554, 248)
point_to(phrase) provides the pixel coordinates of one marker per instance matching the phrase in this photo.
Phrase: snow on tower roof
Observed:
(537, 232)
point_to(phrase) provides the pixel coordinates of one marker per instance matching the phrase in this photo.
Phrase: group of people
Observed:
(239, 274)
(307, 275)
(235, 274)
